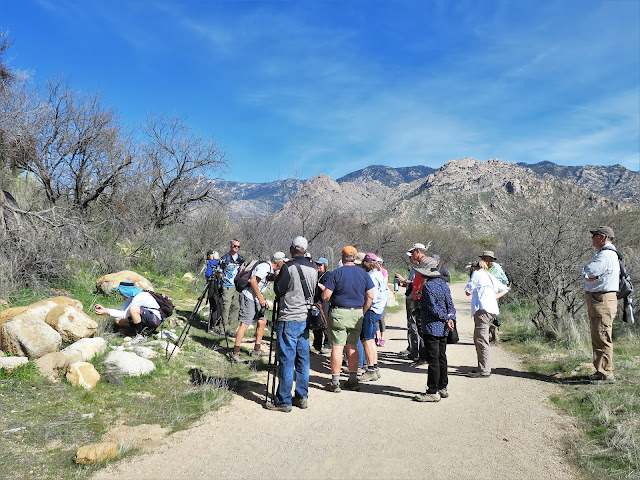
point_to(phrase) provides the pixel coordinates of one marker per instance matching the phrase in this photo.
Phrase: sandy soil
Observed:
(503, 427)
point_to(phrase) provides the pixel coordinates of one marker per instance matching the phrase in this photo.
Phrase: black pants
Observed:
(436, 351)
(320, 339)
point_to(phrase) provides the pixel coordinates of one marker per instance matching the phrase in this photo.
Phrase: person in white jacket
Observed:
(485, 290)
(140, 310)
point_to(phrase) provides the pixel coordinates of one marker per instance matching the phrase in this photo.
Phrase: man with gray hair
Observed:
(601, 284)
(294, 287)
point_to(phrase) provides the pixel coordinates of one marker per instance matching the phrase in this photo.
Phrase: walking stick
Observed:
(270, 366)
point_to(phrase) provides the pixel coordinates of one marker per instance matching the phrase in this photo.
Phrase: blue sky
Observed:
(306, 87)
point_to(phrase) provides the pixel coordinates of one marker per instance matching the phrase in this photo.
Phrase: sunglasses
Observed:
(235, 246)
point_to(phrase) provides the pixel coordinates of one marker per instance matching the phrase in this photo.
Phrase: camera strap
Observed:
(305, 285)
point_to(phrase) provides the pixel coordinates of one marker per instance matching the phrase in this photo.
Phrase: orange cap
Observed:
(349, 251)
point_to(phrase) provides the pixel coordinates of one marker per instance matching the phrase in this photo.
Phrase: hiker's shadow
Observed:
(248, 389)
(466, 370)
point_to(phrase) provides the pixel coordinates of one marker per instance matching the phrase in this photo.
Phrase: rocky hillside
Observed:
(457, 194)
(615, 182)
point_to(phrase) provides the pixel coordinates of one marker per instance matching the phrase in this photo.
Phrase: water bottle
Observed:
(396, 284)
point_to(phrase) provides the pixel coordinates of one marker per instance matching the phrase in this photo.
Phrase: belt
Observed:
(348, 308)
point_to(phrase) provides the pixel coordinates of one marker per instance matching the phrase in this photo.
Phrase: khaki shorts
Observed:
(344, 326)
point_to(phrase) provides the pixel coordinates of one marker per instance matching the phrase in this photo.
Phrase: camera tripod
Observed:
(212, 282)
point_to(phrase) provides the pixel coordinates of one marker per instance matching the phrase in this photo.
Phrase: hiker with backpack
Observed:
(227, 270)
(140, 310)
(253, 305)
(601, 287)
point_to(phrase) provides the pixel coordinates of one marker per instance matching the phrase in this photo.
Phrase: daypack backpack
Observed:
(626, 287)
(244, 274)
(166, 304)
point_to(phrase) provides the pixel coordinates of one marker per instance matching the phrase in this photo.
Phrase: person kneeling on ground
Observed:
(140, 310)
(253, 305)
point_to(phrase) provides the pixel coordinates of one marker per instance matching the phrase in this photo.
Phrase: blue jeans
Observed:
(362, 358)
(293, 356)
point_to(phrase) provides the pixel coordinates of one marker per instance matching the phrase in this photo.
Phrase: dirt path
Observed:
(503, 427)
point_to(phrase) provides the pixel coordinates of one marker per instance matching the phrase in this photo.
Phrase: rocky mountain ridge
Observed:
(460, 191)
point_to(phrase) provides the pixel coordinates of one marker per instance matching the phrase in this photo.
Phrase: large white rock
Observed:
(11, 363)
(144, 352)
(72, 324)
(127, 363)
(26, 336)
(85, 349)
(42, 308)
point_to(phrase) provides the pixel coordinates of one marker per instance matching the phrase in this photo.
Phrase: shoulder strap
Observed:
(303, 281)
(613, 250)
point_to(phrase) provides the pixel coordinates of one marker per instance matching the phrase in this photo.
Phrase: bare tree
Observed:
(71, 143)
(178, 168)
(545, 250)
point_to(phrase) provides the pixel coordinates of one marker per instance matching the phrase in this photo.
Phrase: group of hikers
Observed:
(345, 309)
(351, 300)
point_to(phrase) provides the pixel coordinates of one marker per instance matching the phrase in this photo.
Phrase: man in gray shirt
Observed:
(293, 334)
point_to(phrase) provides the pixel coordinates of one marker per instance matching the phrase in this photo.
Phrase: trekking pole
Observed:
(274, 320)
(185, 331)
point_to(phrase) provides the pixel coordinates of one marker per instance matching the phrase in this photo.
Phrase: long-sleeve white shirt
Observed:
(483, 288)
(605, 269)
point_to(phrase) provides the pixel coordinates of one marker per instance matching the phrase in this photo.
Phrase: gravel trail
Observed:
(503, 427)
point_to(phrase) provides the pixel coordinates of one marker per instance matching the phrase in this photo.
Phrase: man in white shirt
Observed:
(602, 281)
(253, 305)
(140, 310)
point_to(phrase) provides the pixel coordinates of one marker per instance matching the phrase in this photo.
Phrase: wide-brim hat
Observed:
(128, 288)
(427, 268)
(488, 253)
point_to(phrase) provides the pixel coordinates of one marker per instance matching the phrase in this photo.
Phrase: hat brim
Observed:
(427, 272)
(129, 291)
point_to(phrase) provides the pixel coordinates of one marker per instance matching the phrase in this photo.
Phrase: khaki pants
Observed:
(482, 320)
(602, 308)
(230, 307)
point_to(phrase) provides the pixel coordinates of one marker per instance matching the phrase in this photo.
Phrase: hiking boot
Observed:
(443, 393)
(368, 376)
(599, 379)
(333, 387)
(427, 397)
(353, 386)
(299, 402)
(479, 375)
(258, 353)
(378, 374)
(404, 354)
(419, 363)
(237, 358)
(278, 408)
